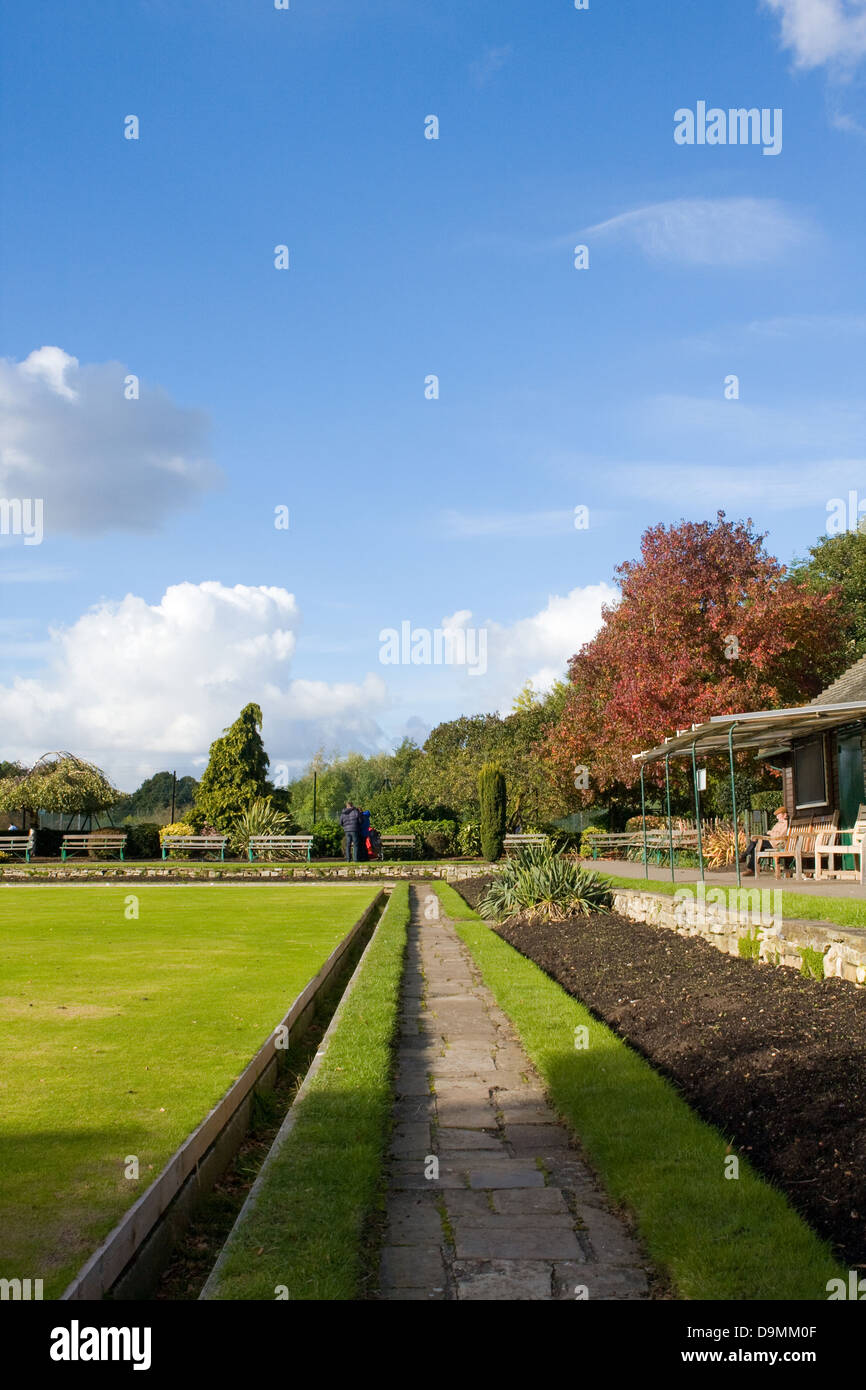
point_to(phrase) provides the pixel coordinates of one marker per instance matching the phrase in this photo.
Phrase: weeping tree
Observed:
(492, 796)
(59, 783)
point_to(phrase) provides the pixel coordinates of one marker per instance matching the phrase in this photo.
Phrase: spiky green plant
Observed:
(546, 886)
(260, 818)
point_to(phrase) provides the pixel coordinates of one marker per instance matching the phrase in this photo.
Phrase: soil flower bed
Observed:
(776, 1062)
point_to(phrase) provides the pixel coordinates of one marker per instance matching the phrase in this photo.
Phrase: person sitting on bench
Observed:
(773, 840)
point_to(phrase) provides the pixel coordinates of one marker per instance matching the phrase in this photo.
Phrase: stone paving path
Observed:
(513, 1213)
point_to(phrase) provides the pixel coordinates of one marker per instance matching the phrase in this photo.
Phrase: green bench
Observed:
(84, 844)
(205, 843)
(18, 844)
(288, 846)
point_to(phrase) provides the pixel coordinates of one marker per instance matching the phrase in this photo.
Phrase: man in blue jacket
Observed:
(350, 820)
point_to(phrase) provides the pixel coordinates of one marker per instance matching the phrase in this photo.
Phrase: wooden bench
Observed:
(657, 841)
(18, 844)
(83, 844)
(800, 843)
(830, 845)
(207, 843)
(398, 842)
(290, 846)
(518, 841)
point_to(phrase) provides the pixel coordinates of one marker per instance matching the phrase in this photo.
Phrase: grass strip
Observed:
(305, 1233)
(844, 912)
(714, 1237)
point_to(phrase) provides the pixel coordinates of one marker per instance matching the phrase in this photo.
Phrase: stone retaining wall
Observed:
(724, 916)
(234, 873)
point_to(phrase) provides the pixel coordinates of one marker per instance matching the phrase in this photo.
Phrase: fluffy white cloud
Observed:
(533, 649)
(822, 31)
(99, 461)
(134, 685)
(709, 231)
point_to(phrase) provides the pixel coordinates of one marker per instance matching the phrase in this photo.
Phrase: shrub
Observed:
(433, 838)
(260, 818)
(469, 838)
(492, 796)
(546, 886)
(142, 840)
(327, 840)
(586, 839)
(719, 845)
(178, 827)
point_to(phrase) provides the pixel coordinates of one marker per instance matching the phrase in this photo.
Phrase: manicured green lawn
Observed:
(715, 1237)
(305, 1231)
(845, 912)
(118, 1034)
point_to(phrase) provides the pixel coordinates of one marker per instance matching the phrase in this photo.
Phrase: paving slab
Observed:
(525, 1220)
(503, 1280)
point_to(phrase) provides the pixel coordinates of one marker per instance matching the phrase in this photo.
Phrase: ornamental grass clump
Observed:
(544, 886)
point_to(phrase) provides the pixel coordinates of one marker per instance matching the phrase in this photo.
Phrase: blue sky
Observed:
(408, 257)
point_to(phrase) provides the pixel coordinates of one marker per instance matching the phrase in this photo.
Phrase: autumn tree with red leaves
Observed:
(708, 623)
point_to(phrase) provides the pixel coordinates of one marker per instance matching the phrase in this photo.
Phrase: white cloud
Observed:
(809, 325)
(536, 648)
(772, 486)
(509, 524)
(709, 231)
(822, 31)
(492, 61)
(134, 685)
(99, 461)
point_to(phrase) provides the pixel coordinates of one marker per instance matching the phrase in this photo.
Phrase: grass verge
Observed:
(714, 1237)
(844, 912)
(305, 1232)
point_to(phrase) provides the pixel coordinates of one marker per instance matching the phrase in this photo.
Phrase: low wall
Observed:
(234, 873)
(723, 916)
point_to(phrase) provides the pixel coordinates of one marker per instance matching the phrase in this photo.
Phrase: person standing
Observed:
(350, 821)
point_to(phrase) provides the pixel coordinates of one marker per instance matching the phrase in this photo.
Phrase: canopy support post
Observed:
(643, 819)
(670, 826)
(698, 810)
(734, 801)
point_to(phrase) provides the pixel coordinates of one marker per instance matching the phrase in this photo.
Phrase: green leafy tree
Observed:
(153, 798)
(492, 797)
(236, 774)
(839, 563)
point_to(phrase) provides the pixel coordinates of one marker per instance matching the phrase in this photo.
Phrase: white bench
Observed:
(83, 844)
(18, 844)
(518, 841)
(393, 842)
(210, 843)
(291, 846)
(830, 846)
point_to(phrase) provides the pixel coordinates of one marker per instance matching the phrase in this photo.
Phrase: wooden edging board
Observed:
(121, 1246)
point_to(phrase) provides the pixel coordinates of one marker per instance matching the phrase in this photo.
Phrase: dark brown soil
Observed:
(774, 1061)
